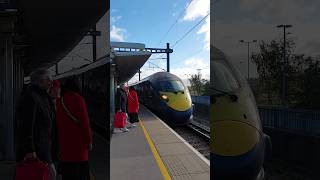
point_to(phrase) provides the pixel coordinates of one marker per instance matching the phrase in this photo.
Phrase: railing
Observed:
(201, 110)
(304, 121)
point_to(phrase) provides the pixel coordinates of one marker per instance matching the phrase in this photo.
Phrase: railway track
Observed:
(197, 137)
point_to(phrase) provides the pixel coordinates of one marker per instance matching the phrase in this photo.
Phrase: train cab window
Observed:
(171, 86)
(222, 77)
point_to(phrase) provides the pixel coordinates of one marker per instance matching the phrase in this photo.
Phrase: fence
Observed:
(201, 109)
(305, 121)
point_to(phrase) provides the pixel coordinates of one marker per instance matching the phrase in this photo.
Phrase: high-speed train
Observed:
(238, 146)
(167, 96)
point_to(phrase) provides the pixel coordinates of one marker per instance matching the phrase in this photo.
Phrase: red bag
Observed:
(120, 119)
(32, 170)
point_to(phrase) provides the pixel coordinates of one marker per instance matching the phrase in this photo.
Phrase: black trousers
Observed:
(75, 170)
(133, 117)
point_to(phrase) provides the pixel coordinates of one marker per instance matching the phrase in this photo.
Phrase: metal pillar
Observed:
(284, 94)
(248, 60)
(168, 58)
(7, 98)
(139, 74)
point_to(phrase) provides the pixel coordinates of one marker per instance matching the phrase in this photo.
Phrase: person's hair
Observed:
(131, 88)
(37, 75)
(71, 84)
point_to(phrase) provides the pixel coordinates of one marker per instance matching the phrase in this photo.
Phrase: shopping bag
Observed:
(32, 170)
(120, 119)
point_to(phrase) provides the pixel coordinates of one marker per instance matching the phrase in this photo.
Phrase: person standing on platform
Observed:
(122, 104)
(75, 135)
(133, 106)
(55, 91)
(35, 123)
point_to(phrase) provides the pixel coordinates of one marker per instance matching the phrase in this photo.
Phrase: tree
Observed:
(303, 75)
(199, 86)
(269, 62)
(195, 84)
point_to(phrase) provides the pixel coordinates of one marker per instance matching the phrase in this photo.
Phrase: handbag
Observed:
(32, 169)
(120, 119)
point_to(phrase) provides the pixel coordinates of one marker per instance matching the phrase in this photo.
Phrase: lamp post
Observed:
(248, 43)
(285, 66)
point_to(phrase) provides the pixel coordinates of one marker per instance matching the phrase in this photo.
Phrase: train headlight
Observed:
(164, 97)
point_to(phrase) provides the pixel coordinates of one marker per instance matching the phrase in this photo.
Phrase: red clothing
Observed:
(133, 103)
(74, 138)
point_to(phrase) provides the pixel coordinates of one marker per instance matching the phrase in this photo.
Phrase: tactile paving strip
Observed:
(176, 168)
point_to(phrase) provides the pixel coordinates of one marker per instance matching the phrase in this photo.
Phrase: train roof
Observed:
(156, 76)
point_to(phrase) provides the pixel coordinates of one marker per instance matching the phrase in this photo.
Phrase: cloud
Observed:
(114, 10)
(115, 18)
(191, 66)
(197, 8)
(117, 34)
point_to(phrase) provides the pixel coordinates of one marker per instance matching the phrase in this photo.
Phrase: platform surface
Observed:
(131, 153)
(131, 157)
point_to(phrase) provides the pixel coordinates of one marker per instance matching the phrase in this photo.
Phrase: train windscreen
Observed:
(171, 86)
(223, 79)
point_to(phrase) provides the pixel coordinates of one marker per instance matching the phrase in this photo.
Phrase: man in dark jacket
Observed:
(122, 103)
(121, 99)
(36, 125)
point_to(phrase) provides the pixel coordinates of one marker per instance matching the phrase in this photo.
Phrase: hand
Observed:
(31, 155)
(90, 147)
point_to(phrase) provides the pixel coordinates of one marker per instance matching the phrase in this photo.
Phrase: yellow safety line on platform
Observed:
(156, 155)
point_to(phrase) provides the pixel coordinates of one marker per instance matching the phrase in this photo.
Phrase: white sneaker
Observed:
(117, 130)
(125, 129)
(133, 125)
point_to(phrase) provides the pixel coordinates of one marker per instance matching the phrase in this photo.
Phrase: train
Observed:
(238, 145)
(166, 95)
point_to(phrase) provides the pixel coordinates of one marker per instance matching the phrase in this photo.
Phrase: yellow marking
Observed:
(232, 138)
(179, 101)
(156, 155)
(232, 133)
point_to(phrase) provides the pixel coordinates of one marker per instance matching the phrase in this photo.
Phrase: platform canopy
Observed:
(51, 28)
(128, 58)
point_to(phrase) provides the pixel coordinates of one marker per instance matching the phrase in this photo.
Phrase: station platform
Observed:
(154, 151)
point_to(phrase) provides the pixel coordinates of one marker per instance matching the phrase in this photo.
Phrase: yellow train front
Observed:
(238, 145)
(167, 96)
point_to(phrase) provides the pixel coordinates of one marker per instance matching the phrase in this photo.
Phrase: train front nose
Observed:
(237, 151)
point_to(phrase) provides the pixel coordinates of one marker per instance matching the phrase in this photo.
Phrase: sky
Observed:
(249, 20)
(148, 22)
(157, 22)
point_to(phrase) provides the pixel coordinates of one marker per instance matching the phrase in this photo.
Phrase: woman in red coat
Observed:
(133, 105)
(75, 138)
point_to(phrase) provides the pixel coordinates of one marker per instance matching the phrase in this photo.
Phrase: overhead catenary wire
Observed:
(190, 30)
(175, 22)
